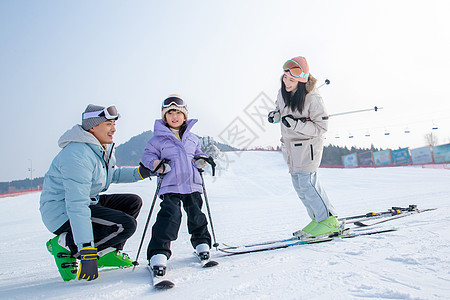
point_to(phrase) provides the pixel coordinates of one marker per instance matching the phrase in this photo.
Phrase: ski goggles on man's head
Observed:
(174, 100)
(294, 69)
(109, 113)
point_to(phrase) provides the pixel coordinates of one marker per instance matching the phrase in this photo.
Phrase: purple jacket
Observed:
(184, 177)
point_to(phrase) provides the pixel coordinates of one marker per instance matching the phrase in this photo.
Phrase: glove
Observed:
(144, 172)
(88, 266)
(200, 162)
(274, 116)
(289, 121)
(163, 169)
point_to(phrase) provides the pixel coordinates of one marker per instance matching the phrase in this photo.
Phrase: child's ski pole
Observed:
(209, 211)
(165, 160)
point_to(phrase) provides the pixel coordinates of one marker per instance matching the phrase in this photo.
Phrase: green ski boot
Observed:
(113, 258)
(327, 226)
(66, 263)
(305, 230)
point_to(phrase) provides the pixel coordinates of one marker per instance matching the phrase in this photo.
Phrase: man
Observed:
(88, 225)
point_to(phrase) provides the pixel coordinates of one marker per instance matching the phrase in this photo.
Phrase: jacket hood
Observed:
(78, 135)
(162, 130)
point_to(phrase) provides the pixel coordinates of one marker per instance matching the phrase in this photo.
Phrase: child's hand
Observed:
(200, 162)
(163, 169)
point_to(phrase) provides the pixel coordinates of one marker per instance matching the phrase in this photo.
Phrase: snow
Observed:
(253, 200)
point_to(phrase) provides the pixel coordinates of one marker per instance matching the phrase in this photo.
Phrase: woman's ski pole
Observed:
(165, 160)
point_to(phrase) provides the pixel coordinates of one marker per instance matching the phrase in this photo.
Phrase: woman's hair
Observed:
(295, 102)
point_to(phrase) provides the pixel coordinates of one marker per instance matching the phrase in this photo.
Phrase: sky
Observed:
(225, 59)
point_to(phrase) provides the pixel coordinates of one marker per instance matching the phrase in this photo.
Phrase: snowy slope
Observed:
(253, 200)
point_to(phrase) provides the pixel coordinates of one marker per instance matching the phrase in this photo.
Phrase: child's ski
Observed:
(206, 263)
(159, 282)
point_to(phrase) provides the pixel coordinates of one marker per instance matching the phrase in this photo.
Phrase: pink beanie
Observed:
(297, 66)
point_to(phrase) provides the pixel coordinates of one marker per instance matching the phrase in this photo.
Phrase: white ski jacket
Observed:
(302, 145)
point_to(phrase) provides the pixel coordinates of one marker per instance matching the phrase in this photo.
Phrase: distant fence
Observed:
(13, 194)
(427, 157)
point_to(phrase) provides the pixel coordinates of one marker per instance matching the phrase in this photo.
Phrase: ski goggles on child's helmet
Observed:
(109, 113)
(173, 100)
(294, 69)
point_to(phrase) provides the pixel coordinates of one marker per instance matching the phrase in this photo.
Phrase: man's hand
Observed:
(88, 267)
(144, 172)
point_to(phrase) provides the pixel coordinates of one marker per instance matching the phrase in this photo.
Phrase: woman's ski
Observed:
(260, 248)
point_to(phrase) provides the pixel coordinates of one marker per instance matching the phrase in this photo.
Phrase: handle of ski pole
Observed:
(161, 163)
(209, 160)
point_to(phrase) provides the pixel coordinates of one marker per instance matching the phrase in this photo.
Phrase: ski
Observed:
(159, 282)
(206, 263)
(228, 246)
(395, 210)
(245, 250)
(292, 239)
(386, 219)
(357, 220)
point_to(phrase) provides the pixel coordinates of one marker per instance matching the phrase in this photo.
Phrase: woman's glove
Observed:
(88, 266)
(289, 121)
(274, 116)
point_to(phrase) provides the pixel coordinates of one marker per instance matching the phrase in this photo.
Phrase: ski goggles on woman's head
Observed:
(109, 113)
(294, 69)
(174, 100)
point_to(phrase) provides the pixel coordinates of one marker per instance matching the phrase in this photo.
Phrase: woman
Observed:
(304, 121)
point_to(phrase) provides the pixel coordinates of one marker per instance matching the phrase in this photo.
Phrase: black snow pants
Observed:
(168, 223)
(113, 221)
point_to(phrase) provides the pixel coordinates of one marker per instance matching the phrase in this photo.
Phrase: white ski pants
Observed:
(313, 196)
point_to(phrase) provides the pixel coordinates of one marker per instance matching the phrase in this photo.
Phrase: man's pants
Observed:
(113, 221)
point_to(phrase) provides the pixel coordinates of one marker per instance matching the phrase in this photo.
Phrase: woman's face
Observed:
(290, 83)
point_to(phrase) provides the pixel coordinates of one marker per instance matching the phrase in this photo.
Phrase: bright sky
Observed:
(58, 56)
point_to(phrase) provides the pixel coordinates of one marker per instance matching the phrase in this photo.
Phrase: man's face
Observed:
(104, 131)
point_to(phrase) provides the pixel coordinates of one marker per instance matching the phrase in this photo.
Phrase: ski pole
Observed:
(165, 160)
(207, 207)
(376, 108)
(326, 83)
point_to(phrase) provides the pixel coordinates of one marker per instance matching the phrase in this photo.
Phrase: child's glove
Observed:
(144, 172)
(274, 116)
(163, 169)
(200, 162)
(88, 267)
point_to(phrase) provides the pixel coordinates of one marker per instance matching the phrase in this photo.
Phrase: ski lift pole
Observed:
(376, 108)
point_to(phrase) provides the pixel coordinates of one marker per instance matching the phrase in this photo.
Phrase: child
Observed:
(304, 122)
(181, 182)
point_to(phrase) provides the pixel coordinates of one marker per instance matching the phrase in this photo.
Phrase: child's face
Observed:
(175, 118)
